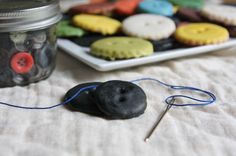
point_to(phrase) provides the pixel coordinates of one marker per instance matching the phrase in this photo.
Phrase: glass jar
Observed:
(27, 40)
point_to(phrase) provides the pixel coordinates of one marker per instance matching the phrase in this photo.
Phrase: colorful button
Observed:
(20, 46)
(22, 62)
(18, 37)
(40, 37)
(44, 56)
(18, 79)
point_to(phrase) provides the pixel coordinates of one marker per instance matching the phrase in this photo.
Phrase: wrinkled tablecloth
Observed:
(194, 131)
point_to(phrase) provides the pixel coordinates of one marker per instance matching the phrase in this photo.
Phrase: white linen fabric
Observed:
(194, 131)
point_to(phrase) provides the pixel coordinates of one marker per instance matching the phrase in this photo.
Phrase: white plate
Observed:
(104, 65)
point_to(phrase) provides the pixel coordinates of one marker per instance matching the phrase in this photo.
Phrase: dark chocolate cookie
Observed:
(120, 99)
(87, 40)
(166, 44)
(191, 15)
(232, 31)
(84, 102)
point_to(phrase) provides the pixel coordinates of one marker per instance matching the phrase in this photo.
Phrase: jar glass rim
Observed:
(28, 15)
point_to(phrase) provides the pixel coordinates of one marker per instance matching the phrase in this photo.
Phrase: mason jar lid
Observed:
(25, 15)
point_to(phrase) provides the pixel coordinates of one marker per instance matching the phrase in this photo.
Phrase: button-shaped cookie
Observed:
(156, 7)
(201, 34)
(148, 26)
(220, 13)
(126, 7)
(120, 99)
(65, 29)
(96, 23)
(188, 3)
(96, 8)
(114, 48)
(84, 102)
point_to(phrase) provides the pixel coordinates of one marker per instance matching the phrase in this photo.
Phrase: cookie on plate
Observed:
(198, 4)
(166, 44)
(87, 39)
(232, 30)
(201, 34)
(156, 7)
(114, 48)
(85, 101)
(148, 26)
(120, 99)
(95, 8)
(126, 7)
(64, 29)
(220, 13)
(96, 23)
(191, 15)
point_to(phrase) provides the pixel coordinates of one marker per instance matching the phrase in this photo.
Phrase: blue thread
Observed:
(167, 100)
(50, 107)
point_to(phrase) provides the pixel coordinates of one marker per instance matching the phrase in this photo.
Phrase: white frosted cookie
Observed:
(148, 26)
(220, 13)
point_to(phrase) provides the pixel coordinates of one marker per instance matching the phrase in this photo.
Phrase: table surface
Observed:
(186, 131)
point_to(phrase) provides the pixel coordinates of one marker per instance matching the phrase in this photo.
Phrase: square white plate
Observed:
(83, 55)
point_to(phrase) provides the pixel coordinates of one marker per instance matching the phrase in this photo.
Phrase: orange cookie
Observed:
(126, 7)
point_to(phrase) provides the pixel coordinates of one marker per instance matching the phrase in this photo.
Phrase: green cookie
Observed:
(198, 4)
(64, 29)
(114, 48)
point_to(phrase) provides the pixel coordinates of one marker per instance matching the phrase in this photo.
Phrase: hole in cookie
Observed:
(122, 99)
(202, 30)
(122, 90)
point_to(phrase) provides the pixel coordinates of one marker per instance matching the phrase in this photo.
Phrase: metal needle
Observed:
(159, 121)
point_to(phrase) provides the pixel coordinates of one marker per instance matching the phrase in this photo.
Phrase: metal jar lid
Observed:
(25, 15)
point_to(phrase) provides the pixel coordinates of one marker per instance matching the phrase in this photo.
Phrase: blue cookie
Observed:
(156, 7)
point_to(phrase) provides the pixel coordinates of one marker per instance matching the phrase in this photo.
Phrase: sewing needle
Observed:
(159, 121)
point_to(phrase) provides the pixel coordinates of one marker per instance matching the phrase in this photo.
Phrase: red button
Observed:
(22, 62)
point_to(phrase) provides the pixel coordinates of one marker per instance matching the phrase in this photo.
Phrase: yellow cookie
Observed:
(201, 34)
(115, 48)
(96, 23)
